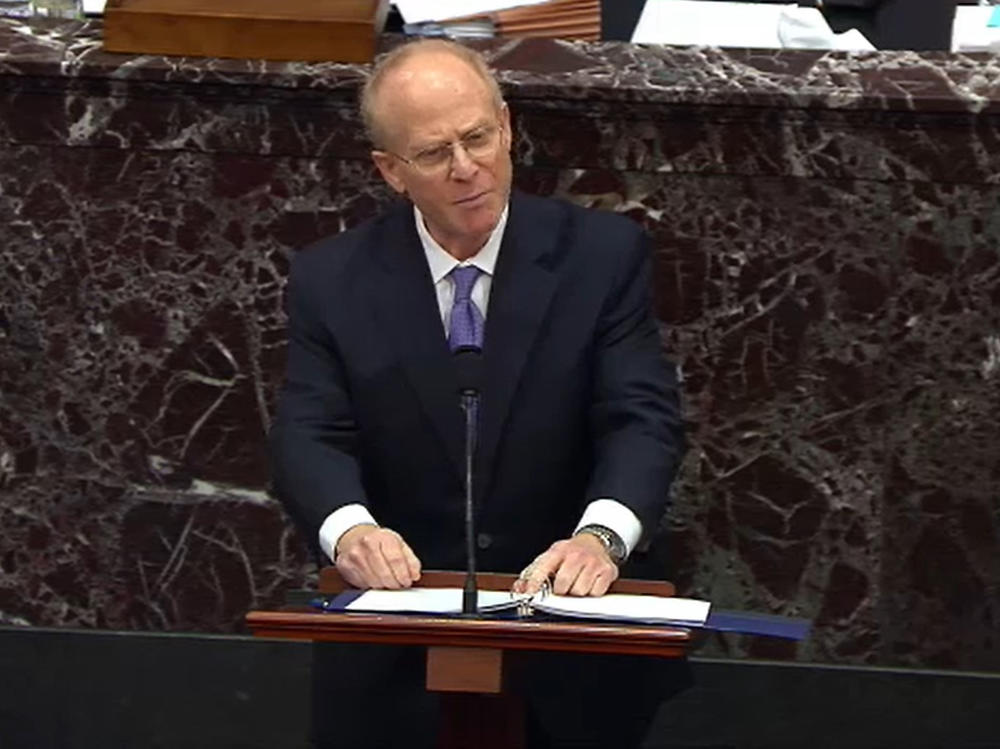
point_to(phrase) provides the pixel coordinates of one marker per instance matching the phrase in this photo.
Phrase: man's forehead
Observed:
(431, 72)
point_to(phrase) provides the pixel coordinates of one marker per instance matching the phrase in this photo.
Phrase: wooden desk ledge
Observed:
(518, 634)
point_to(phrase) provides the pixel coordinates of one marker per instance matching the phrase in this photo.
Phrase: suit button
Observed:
(484, 540)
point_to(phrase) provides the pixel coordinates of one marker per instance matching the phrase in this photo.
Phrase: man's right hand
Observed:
(372, 557)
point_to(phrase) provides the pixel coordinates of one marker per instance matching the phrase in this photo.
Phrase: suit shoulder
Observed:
(602, 225)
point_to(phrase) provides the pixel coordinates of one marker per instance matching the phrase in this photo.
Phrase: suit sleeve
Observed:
(635, 412)
(314, 439)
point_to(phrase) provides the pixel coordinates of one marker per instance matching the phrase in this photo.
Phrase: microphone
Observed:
(469, 372)
(469, 368)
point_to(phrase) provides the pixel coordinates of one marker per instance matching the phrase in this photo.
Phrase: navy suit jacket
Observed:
(578, 401)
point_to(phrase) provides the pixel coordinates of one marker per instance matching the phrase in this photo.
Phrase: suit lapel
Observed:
(522, 290)
(405, 305)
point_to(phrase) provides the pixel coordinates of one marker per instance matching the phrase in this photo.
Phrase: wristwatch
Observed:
(611, 541)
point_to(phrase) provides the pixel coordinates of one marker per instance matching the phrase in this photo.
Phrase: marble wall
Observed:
(828, 277)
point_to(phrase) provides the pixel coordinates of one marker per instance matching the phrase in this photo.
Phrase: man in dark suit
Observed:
(579, 424)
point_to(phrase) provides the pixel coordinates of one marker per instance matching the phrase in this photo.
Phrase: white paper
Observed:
(806, 28)
(93, 7)
(718, 24)
(621, 606)
(427, 600)
(970, 32)
(735, 24)
(613, 606)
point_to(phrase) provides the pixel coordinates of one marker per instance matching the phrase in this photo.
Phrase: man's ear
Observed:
(389, 167)
(505, 125)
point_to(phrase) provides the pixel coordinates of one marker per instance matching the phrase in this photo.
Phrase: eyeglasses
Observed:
(478, 144)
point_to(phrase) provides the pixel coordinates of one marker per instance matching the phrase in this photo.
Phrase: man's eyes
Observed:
(476, 138)
(434, 154)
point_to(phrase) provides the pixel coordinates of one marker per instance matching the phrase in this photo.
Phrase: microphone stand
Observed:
(470, 595)
(468, 364)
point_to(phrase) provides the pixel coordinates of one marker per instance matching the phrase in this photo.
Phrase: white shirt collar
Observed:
(441, 263)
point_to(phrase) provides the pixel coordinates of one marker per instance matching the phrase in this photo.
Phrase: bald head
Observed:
(442, 139)
(423, 66)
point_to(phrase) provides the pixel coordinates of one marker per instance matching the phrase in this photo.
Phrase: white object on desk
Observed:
(419, 11)
(806, 28)
(93, 7)
(427, 600)
(621, 607)
(971, 33)
(734, 24)
(617, 607)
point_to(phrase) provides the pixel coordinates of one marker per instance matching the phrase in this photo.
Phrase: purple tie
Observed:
(466, 325)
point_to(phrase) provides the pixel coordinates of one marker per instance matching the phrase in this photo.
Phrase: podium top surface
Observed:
(451, 631)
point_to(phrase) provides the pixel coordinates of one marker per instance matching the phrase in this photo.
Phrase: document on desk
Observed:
(617, 607)
(419, 11)
(718, 24)
(741, 24)
(621, 607)
(613, 608)
(975, 30)
(427, 601)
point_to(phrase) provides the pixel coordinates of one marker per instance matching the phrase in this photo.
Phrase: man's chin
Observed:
(479, 221)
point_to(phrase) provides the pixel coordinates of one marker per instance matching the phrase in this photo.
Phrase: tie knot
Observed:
(465, 278)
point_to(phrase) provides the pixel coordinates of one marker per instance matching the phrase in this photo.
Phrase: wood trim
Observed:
(478, 670)
(308, 30)
(399, 629)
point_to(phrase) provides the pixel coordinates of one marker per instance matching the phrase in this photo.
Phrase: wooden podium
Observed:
(469, 660)
(307, 30)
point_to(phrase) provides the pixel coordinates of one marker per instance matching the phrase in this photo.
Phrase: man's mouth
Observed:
(471, 198)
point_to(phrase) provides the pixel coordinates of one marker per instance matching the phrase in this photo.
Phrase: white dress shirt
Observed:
(607, 512)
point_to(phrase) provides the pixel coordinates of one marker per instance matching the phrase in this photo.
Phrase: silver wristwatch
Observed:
(612, 542)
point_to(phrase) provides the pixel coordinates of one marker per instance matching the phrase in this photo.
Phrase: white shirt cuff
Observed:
(340, 521)
(616, 516)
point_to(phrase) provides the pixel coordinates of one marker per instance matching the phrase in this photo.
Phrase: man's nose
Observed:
(463, 166)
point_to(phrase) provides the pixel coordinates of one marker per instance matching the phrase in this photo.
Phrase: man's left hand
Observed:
(578, 566)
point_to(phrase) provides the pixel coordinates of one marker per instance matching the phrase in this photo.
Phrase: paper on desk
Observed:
(93, 7)
(971, 31)
(612, 607)
(624, 607)
(806, 28)
(419, 11)
(735, 24)
(427, 600)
